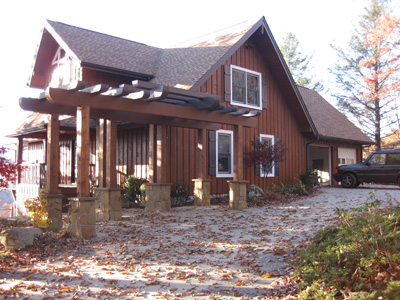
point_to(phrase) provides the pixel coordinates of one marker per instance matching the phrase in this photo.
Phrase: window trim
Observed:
(218, 174)
(233, 102)
(272, 174)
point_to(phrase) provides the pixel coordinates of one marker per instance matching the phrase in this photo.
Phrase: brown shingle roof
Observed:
(102, 50)
(329, 122)
(179, 67)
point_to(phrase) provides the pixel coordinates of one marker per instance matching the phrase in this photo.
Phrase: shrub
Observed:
(37, 210)
(288, 188)
(180, 195)
(132, 189)
(309, 178)
(358, 259)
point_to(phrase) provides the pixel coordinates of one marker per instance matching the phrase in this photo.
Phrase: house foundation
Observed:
(238, 194)
(157, 197)
(201, 192)
(108, 205)
(54, 210)
(83, 217)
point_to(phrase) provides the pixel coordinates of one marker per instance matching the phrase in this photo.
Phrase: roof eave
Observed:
(344, 140)
(136, 75)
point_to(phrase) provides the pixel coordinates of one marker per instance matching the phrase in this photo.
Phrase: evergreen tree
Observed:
(298, 63)
(368, 73)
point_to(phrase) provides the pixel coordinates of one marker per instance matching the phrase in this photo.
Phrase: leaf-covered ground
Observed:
(191, 253)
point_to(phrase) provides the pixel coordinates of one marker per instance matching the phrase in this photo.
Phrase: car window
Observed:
(394, 159)
(377, 159)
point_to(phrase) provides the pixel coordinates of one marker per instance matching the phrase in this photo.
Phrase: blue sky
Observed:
(316, 23)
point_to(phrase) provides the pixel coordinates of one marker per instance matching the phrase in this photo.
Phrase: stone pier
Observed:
(83, 217)
(237, 194)
(157, 197)
(201, 192)
(108, 204)
(54, 210)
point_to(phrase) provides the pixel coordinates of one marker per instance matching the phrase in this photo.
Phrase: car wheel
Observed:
(348, 180)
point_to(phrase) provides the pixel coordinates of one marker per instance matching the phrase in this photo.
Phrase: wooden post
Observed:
(102, 152)
(83, 150)
(53, 154)
(161, 154)
(152, 172)
(111, 157)
(19, 155)
(238, 152)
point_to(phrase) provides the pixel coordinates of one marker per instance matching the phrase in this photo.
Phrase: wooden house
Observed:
(116, 107)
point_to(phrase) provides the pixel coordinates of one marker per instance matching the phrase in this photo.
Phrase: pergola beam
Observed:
(45, 107)
(101, 102)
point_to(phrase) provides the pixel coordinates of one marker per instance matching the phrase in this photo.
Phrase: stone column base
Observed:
(237, 194)
(108, 204)
(54, 210)
(201, 192)
(157, 197)
(83, 217)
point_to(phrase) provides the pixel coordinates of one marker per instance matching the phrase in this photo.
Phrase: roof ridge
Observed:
(98, 32)
(207, 34)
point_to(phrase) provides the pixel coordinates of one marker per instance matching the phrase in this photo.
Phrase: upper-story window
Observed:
(246, 87)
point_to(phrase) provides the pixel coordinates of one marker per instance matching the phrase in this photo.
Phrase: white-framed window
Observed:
(246, 87)
(270, 139)
(224, 153)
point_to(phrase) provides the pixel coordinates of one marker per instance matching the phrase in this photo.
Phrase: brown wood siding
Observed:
(92, 77)
(277, 120)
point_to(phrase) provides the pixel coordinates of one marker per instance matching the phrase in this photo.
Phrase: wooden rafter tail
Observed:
(240, 111)
(228, 109)
(253, 113)
(96, 89)
(158, 93)
(75, 85)
(140, 95)
(117, 92)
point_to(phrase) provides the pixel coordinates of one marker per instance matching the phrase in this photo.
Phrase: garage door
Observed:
(347, 156)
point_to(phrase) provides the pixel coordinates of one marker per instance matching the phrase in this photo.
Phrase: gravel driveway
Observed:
(190, 252)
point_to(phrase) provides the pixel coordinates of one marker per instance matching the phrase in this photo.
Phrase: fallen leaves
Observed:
(208, 252)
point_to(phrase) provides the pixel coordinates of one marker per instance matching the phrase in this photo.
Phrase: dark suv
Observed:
(381, 166)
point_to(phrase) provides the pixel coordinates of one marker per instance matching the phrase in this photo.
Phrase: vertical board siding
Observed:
(277, 120)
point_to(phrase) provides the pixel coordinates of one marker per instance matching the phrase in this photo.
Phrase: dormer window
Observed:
(246, 87)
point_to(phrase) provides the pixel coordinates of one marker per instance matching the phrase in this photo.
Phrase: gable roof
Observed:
(329, 122)
(187, 67)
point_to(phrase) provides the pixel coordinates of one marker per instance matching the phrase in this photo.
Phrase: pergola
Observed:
(143, 103)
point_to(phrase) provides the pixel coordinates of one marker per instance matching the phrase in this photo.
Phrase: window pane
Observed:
(252, 97)
(377, 159)
(238, 78)
(252, 82)
(238, 86)
(239, 94)
(224, 143)
(253, 93)
(393, 159)
(224, 153)
(224, 163)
